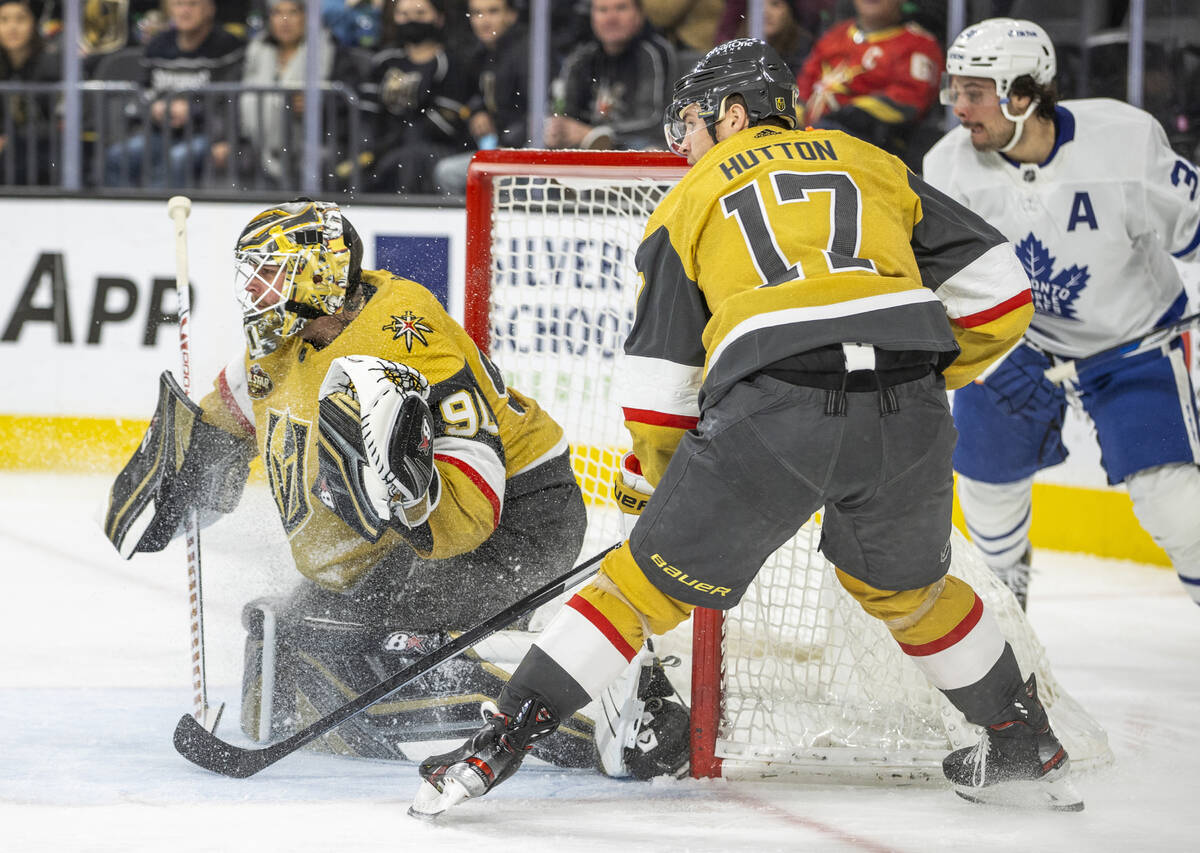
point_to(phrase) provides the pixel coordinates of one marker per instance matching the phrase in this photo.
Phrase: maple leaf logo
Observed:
(1053, 292)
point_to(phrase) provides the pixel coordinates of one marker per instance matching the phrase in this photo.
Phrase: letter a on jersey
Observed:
(1081, 211)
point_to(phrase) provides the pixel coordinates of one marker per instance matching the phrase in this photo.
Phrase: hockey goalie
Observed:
(418, 493)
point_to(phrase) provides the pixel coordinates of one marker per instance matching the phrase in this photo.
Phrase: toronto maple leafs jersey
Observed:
(484, 432)
(1095, 225)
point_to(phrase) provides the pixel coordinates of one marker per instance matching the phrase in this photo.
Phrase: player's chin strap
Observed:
(1019, 120)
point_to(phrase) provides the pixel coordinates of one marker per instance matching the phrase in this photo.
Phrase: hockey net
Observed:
(796, 680)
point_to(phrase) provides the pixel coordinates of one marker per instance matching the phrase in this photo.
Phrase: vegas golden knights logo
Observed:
(287, 441)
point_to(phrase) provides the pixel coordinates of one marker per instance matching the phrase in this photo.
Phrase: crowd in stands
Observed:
(208, 94)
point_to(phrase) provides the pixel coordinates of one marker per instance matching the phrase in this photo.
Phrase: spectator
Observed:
(614, 87)
(814, 16)
(690, 25)
(271, 125)
(783, 31)
(872, 76)
(418, 91)
(353, 23)
(25, 59)
(500, 68)
(179, 63)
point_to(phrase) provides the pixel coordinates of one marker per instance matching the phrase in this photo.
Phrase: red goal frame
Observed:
(485, 167)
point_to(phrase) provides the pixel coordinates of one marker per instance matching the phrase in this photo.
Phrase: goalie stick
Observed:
(203, 748)
(1070, 370)
(178, 208)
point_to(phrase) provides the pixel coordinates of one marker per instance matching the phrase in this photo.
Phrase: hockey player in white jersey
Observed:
(1096, 203)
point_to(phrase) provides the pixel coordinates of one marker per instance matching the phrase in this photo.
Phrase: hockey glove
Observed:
(181, 464)
(631, 490)
(1019, 382)
(375, 445)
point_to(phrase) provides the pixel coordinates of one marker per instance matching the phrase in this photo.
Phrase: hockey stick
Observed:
(178, 208)
(203, 748)
(1070, 370)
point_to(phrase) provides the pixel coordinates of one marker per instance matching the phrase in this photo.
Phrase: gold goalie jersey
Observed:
(485, 433)
(777, 242)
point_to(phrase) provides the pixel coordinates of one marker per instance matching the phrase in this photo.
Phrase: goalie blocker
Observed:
(182, 462)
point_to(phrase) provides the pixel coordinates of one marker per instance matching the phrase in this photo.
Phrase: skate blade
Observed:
(430, 802)
(1054, 795)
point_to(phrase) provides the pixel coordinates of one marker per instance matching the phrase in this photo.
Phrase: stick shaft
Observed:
(191, 527)
(1143, 343)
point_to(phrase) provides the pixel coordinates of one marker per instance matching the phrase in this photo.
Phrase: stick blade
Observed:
(204, 749)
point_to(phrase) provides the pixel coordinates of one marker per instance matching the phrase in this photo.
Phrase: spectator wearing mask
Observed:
(418, 91)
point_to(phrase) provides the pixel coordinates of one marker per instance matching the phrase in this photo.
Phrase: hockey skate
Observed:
(1016, 577)
(491, 755)
(1018, 762)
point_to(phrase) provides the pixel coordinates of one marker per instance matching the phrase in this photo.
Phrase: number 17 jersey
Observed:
(778, 242)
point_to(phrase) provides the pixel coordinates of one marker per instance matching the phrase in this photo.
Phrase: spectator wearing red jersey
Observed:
(873, 76)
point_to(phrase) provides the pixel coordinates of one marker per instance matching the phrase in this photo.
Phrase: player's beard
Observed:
(989, 140)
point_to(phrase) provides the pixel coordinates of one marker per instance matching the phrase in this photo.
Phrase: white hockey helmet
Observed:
(1002, 49)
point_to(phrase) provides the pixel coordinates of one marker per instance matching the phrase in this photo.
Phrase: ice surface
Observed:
(94, 677)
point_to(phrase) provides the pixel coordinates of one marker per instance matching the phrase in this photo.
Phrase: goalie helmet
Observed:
(748, 67)
(293, 263)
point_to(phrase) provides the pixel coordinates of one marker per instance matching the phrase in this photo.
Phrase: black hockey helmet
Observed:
(747, 67)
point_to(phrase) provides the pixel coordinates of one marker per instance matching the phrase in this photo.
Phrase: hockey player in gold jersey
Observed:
(418, 493)
(805, 301)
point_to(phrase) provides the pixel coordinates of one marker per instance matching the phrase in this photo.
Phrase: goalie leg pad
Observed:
(311, 652)
(181, 463)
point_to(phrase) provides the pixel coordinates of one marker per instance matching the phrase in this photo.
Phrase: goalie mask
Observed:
(747, 67)
(1001, 50)
(293, 263)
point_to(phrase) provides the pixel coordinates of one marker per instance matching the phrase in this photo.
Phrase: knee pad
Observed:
(998, 517)
(1166, 501)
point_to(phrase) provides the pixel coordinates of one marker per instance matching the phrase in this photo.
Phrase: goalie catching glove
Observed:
(375, 445)
(182, 463)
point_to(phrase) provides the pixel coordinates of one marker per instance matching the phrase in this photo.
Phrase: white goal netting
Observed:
(809, 684)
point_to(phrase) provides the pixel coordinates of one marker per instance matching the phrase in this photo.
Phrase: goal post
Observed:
(796, 681)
